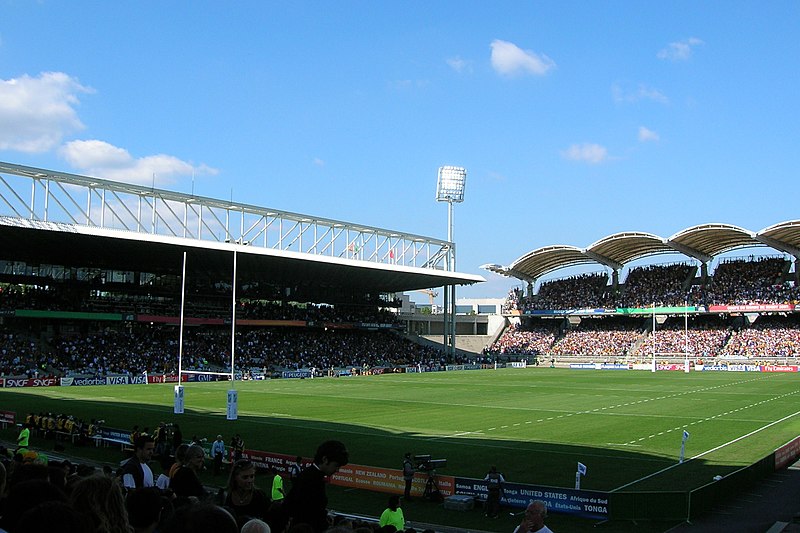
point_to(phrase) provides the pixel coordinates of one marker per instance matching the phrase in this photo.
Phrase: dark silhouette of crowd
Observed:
(38, 494)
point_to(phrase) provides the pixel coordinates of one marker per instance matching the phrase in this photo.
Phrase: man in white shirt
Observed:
(218, 453)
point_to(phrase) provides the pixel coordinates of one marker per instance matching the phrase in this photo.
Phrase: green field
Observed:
(534, 424)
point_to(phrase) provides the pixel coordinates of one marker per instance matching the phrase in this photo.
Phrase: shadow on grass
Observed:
(538, 463)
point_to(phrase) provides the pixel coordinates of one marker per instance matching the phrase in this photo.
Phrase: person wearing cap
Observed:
(218, 452)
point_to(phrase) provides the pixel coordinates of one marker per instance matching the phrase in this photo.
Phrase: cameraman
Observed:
(408, 475)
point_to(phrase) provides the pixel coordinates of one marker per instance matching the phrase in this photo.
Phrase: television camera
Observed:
(424, 463)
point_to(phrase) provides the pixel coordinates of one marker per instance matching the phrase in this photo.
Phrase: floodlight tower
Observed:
(450, 189)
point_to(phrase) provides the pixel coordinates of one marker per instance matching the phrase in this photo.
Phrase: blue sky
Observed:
(575, 120)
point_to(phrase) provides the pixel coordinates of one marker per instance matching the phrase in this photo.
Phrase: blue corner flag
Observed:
(582, 469)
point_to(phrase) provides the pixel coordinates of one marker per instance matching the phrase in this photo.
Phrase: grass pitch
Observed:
(535, 424)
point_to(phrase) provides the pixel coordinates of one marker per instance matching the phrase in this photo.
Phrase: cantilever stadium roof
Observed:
(702, 242)
(49, 217)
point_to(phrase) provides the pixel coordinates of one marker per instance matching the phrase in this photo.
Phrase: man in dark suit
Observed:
(307, 502)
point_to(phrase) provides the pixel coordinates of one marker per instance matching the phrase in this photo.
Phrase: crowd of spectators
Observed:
(517, 340)
(19, 355)
(703, 341)
(597, 337)
(130, 347)
(734, 282)
(40, 495)
(514, 300)
(706, 338)
(58, 298)
(154, 349)
(581, 291)
(664, 285)
(769, 336)
(329, 348)
(753, 281)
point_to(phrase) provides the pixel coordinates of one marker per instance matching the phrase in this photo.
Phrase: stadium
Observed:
(629, 395)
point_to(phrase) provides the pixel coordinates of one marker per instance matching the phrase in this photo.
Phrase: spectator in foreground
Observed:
(100, 499)
(533, 522)
(393, 514)
(256, 526)
(135, 473)
(200, 518)
(307, 502)
(242, 497)
(180, 458)
(146, 509)
(186, 483)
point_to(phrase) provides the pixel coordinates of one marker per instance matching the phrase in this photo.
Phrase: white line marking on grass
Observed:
(762, 428)
(459, 434)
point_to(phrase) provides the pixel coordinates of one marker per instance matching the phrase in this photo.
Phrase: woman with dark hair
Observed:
(393, 515)
(242, 496)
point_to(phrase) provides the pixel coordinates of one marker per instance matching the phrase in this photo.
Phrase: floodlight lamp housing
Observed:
(450, 185)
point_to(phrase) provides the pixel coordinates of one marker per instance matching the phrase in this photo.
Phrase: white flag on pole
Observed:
(582, 469)
(683, 445)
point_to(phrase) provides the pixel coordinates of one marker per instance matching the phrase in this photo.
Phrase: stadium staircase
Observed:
(466, 345)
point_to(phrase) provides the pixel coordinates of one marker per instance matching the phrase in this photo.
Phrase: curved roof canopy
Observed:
(702, 242)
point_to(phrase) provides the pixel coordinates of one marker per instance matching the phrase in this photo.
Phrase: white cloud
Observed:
(37, 112)
(107, 161)
(647, 135)
(587, 152)
(318, 162)
(508, 59)
(679, 50)
(641, 92)
(459, 65)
